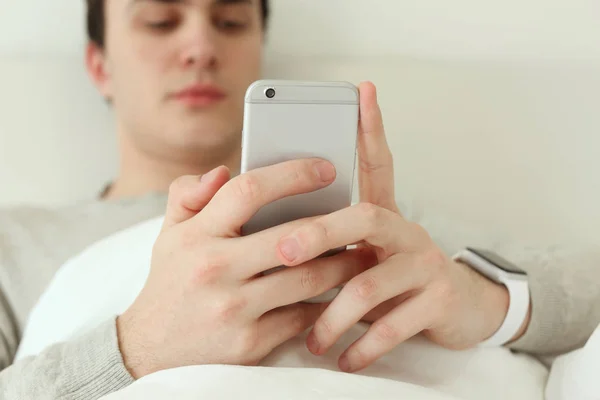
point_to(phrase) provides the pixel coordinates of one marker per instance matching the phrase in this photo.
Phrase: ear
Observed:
(97, 67)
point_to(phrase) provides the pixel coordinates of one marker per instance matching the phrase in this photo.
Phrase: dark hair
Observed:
(95, 19)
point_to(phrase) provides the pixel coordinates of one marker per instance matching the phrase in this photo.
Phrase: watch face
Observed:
(498, 261)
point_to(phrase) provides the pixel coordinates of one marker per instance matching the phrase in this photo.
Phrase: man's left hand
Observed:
(414, 288)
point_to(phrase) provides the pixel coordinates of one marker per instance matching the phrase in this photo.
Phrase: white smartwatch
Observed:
(501, 271)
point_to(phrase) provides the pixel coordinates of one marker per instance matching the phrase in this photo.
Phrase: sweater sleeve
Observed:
(565, 297)
(88, 367)
(9, 335)
(564, 281)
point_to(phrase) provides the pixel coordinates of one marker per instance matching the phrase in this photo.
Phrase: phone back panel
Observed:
(304, 119)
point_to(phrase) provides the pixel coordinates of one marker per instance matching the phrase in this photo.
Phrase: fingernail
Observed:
(344, 364)
(313, 344)
(325, 171)
(289, 248)
(209, 176)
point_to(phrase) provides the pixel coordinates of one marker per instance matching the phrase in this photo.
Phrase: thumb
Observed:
(189, 194)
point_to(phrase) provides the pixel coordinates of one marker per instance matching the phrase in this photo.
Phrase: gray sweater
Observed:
(35, 242)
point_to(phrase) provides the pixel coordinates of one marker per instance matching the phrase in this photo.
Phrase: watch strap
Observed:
(517, 312)
(518, 293)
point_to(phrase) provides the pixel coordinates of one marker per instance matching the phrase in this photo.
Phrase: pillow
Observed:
(259, 383)
(575, 375)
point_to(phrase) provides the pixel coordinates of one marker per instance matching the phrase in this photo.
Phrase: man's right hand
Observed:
(205, 300)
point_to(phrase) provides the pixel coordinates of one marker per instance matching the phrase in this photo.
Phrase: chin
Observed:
(210, 137)
(204, 133)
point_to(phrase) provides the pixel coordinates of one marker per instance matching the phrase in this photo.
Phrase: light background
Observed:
(492, 108)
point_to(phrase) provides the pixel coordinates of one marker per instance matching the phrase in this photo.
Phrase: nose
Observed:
(201, 47)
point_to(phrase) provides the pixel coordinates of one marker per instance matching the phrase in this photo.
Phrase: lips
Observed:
(200, 95)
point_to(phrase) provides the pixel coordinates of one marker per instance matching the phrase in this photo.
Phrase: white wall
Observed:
(516, 29)
(41, 27)
(56, 136)
(521, 29)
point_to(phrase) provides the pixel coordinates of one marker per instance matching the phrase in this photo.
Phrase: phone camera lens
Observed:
(270, 93)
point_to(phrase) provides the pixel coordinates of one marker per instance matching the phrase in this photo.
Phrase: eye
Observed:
(230, 25)
(164, 25)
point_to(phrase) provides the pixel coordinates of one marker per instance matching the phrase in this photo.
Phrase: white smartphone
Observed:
(287, 120)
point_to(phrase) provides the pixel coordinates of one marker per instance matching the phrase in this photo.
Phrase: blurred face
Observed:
(176, 72)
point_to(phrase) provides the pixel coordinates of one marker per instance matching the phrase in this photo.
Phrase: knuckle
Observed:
(385, 160)
(245, 342)
(434, 258)
(247, 187)
(312, 280)
(313, 233)
(207, 274)
(211, 267)
(368, 209)
(365, 289)
(324, 329)
(371, 214)
(320, 230)
(298, 319)
(369, 166)
(419, 232)
(384, 332)
(228, 307)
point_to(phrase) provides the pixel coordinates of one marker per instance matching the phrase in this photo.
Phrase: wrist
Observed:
(136, 357)
(503, 295)
(494, 301)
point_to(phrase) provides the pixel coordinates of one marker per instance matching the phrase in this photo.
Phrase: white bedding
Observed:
(575, 375)
(260, 383)
(104, 279)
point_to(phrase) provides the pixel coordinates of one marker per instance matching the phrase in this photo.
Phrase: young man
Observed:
(175, 73)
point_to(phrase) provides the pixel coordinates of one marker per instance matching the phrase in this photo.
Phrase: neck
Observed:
(141, 173)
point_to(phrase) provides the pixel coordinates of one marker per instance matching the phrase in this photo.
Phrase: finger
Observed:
(255, 254)
(360, 223)
(402, 323)
(282, 324)
(292, 285)
(244, 195)
(188, 195)
(258, 253)
(362, 294)
(376, 166)
(385, 308)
